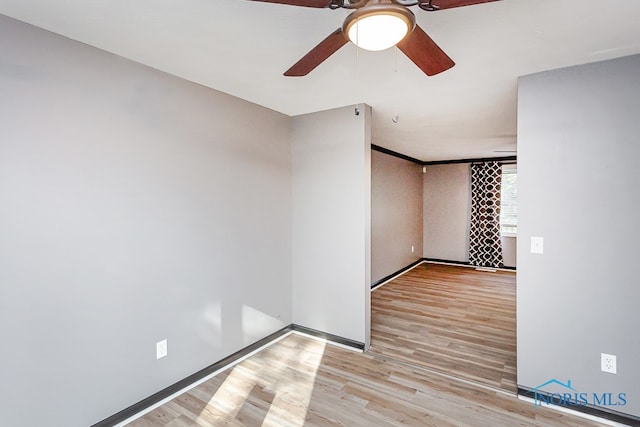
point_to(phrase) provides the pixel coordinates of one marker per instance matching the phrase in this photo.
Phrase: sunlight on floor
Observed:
(285, 384)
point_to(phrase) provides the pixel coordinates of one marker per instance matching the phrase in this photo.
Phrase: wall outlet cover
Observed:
(608, 363)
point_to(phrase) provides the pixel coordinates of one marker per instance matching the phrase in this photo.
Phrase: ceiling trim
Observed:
(509, 159)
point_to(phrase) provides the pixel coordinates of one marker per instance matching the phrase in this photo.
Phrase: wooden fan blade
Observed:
(425, 53)
(318, 54)
(304, 3)
(449, 4)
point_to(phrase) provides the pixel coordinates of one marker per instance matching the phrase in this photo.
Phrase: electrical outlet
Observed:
(161, 349)
(608, 363)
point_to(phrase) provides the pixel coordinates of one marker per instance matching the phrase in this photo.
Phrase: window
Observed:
(509, 201)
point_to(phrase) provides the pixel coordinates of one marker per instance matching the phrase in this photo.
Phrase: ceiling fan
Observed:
(378, 25)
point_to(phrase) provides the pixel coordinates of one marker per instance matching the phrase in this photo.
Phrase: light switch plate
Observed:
(537, 245)
(161, 349)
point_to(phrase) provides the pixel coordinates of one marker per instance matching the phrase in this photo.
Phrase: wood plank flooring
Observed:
(452, 319)
(302, 381)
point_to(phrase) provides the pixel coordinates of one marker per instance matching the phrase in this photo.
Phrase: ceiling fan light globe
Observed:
(378, 32)
(379, 27)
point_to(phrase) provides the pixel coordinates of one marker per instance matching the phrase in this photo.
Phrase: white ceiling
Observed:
(242, 48)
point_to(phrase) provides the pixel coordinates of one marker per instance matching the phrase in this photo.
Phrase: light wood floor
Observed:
(451, 319)
(301, 381)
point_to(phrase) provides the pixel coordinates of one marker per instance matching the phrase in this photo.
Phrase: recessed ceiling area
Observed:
(242, 47)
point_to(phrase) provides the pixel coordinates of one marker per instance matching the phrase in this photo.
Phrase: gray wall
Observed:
(331, 221)
(396, 214)
(134, 206)
(578, 151)
(447, 209)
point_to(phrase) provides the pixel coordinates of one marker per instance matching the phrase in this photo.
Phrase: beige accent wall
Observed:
(396, 214)
(509, 250)
(447, 211)
(447, 207)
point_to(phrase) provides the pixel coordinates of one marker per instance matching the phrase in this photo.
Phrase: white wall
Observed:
(135, 206)
(331, 221)
(396, 214)
(578, 184)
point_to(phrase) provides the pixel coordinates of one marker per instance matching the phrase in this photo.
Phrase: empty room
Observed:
(319, 212)
(443, 265)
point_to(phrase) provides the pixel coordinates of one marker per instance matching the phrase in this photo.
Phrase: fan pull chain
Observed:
(357, 85)
(396, 116)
